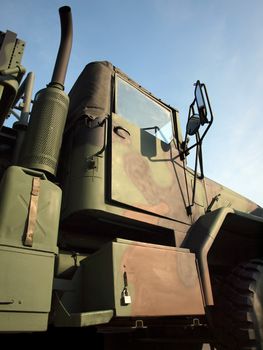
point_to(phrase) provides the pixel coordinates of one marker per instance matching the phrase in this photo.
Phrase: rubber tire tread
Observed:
(240, 305)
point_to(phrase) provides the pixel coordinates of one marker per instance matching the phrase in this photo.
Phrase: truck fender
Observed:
(227, 235)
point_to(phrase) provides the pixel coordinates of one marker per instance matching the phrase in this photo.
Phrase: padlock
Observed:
(126, 298)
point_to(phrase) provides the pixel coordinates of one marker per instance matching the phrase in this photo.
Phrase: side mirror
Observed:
(199, 113)
(200, 102)
(193, 125)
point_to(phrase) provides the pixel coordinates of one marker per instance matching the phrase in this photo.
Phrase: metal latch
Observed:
(125, 296)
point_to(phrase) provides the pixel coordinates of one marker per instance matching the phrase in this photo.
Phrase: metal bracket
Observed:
(139, 325)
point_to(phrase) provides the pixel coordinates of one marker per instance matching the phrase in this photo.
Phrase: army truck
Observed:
(105, 230)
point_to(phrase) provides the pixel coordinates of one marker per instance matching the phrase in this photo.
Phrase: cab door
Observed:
(147, 173)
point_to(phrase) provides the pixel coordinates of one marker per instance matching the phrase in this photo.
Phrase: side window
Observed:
(143, 111)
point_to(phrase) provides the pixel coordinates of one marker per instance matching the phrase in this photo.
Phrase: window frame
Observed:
(147, 95)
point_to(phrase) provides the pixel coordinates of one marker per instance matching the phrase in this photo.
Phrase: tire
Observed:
(239, 315)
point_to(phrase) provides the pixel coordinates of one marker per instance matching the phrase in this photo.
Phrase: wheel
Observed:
(239, 308)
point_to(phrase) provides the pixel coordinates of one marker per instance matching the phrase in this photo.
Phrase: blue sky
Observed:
(166, 45)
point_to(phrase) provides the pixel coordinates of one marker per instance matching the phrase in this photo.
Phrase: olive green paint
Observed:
(183, 232)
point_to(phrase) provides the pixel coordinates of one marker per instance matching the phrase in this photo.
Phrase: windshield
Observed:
(145, 112)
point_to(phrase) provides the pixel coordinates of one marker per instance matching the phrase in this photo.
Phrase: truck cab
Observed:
(103, 224)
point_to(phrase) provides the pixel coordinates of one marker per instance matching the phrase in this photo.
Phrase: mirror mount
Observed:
(197, 118)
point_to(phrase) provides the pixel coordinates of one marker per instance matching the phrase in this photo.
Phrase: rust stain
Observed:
(162, 282)
(162, 200)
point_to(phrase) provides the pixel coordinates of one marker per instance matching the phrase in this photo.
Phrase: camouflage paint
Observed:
(116, 170)
(153, 184)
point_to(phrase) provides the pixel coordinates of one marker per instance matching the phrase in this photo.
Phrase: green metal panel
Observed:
(83, 188)
(23, 322)
(82, 319)
(11, 50)
(15, 189)
(26, 284)
(99, 280)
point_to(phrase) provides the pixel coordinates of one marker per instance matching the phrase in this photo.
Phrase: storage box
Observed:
(158, 280)
(26, 278)
(27, 272)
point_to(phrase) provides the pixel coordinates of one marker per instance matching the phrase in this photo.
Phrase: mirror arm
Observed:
(185, 150)
(209, 106)
(198, 157)
(210, 111)
(195, 173)
(198, 145)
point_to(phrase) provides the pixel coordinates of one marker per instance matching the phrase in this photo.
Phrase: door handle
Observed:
(7, 302)
(118, 129)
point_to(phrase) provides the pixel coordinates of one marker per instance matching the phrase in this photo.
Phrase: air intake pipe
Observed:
(44, 135)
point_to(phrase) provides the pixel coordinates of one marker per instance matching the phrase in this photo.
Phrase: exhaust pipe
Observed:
(63, 55)
(48, 117)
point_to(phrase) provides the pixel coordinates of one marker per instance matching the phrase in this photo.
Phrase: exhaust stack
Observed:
(44, 135)
(63, 55)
